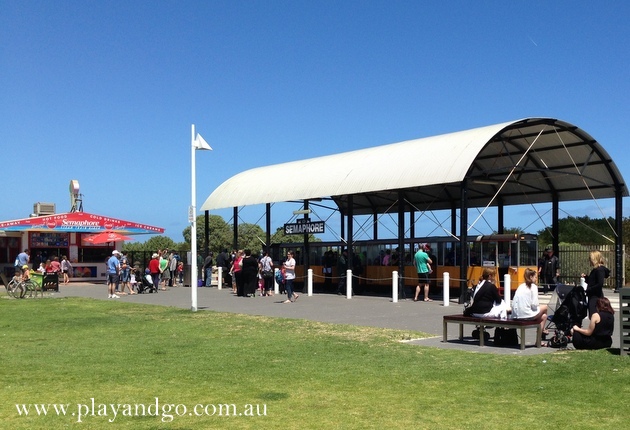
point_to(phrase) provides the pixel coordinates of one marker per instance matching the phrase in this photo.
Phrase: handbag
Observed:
(267, 274)
(505, 336)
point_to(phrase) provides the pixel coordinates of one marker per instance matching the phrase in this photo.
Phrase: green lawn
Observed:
(279, 373)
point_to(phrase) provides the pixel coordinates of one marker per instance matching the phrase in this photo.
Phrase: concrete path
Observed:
(368, 311)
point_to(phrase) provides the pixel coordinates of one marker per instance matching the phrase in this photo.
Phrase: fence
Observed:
(574, 261)
(142, 258)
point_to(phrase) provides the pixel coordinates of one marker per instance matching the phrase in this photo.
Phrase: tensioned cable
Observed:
(379, 217)
(590, 228)
(584, 182)
(333, 231)
(539, 219)
(507, 178)
(362, 230)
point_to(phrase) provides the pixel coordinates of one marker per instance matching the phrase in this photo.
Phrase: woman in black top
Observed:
(485, 297)
(595, 280)
(249, 274)
(598, 335)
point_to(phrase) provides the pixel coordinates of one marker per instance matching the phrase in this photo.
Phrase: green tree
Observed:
(281, 237)
(251, 236)
(159, 242)
(152, 244)
(582, 230)
(219, 234)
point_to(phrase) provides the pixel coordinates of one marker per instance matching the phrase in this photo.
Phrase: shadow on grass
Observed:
(273, 395)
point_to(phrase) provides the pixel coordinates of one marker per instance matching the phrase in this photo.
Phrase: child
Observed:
(41, 268)
(180, 273)
(133, 282)
(280, 275)
(261, 285)
(26, 274)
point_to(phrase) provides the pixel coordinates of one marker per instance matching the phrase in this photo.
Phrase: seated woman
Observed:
(486, 301)
(598, 335)
(525, 304)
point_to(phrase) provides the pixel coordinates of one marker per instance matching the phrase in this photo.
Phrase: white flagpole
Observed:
(192, 214)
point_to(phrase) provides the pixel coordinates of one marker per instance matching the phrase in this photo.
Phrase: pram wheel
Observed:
(559, 340)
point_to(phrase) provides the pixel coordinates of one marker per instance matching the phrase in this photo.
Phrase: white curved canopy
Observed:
(531, 160)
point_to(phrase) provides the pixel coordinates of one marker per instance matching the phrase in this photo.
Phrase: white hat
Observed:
(114, 252)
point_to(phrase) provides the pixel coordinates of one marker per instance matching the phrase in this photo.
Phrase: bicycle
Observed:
(17, 288)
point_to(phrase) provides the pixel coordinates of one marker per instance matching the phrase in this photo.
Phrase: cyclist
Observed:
(26, 274)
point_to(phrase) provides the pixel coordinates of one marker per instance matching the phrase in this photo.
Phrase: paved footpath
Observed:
(370, 311)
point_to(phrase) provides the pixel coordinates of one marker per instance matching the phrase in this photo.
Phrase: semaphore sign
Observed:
(313, 227)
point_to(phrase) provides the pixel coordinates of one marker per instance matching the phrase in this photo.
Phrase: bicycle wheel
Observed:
(29, 287)
(15, 289)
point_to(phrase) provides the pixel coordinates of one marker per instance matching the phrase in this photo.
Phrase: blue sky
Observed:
(105, 92)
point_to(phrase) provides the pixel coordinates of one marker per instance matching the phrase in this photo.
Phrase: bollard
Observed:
(395, 286)
(348, 284)
(447, 286)
(220, 278)
(310, 282)
(276, 288)
(507, 286)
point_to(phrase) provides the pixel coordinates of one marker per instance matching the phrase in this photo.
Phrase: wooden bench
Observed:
(491, 322)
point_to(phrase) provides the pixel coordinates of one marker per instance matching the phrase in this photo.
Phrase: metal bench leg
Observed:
(482, 337)
(444, 330)
(538, 336)
(461, 331)
(522, 338)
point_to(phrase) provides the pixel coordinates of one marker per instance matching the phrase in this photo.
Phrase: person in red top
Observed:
(154, 268)
(237, 266)
(55, 265)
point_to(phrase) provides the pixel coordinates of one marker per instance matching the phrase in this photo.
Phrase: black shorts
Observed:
(112, 278)
(423, 278)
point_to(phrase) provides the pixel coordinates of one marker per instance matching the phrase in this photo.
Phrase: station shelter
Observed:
(521, 162)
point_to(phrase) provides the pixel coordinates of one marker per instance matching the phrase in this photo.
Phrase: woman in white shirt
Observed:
(525, 304)
(289, 267)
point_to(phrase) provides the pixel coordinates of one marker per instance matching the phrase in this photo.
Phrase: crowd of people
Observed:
(165, 269)
(46, 265)
(247, 274)
(485, 301)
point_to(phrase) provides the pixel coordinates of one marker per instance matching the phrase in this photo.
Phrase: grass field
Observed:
(122, 365)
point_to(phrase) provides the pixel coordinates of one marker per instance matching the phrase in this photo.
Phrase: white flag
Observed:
(200, 143)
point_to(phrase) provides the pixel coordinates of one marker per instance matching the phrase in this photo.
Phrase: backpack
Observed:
(279, 277)
(505, 336)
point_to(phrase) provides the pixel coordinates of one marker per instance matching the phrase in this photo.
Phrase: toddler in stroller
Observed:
(567, 307)
(146, 283)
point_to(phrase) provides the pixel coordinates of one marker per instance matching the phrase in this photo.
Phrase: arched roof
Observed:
(532, 160)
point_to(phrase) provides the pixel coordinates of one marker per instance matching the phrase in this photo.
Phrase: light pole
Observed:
(196, 142)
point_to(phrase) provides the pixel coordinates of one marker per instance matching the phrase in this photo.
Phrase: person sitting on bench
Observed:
(525, 304)
(487, 302)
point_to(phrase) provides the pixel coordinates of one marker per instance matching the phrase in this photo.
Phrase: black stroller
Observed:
(146, 283)
(567, 307)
